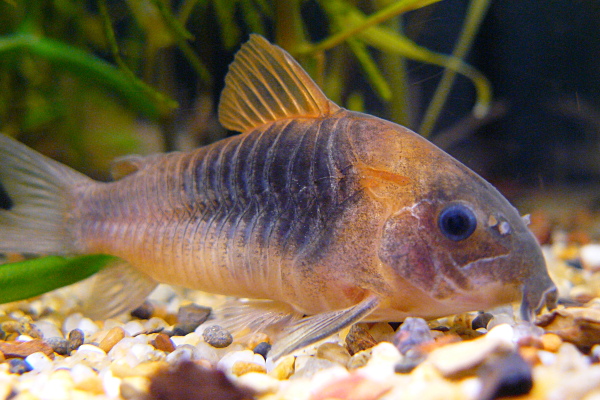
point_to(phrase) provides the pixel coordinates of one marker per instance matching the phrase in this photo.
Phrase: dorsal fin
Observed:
(265, 84)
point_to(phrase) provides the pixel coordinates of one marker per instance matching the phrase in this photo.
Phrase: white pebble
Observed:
(121, 349)
(501, 319)
(191, 338)
(48, 329)
(162, 293)
(88, 327)
(590, 256)
(207, 352)
(502, 333)
(259, 383)
(112, 323)
(184, 352)
(384, 357)
(71, 322)
(81, 372)
(90, 348)
(226, 363)
(133, 327)
(546, 357)
(146, 352)
(154, 323)
(24, 338)
(111, 384)
(39, 361)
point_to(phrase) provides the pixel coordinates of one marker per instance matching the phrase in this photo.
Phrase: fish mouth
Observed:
(536, 295)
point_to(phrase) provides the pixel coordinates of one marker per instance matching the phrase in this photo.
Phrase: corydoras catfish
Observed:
(325, 216)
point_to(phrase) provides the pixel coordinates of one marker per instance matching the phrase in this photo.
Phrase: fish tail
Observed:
(36, 199)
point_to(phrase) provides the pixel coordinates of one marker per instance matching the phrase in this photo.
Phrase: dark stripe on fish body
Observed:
(6, 202)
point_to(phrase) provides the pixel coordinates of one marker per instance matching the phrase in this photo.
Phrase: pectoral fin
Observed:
(241, 316)
(116, 289)
(316, 327)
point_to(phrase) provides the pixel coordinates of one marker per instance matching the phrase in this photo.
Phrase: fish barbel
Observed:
(313, 210)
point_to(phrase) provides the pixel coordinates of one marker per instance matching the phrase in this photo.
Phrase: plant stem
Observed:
(474, 17)
(391, 11)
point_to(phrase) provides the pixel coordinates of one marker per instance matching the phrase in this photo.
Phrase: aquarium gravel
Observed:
(170, 348)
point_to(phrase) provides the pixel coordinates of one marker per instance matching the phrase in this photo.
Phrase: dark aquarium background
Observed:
(87, 81)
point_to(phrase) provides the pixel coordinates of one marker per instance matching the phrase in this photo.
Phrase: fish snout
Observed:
(538, 289)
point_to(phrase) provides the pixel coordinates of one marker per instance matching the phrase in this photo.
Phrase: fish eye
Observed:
(457, 222)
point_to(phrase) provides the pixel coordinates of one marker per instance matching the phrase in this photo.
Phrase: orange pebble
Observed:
(529, 354)
(551, 342)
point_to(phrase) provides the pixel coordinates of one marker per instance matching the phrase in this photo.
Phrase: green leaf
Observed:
(26, 279)
(149, 102)
(370, 68)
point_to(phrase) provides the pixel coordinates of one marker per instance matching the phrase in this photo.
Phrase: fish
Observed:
(318, 216)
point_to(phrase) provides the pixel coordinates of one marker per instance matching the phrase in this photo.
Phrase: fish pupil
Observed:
(457, 222)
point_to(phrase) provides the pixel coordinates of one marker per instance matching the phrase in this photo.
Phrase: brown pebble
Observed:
(359, 339)
(163, 342)
(240, 368)
(23, 349)
(76, 338)
(189, 317)
(145, 311)
(113, 337)
(188, 381)
(551, 342)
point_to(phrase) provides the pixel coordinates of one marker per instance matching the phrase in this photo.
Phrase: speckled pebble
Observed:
(13, 327)
(18, 366)
(217, 336)
(113, 337)
(59, 345)
(75, 338)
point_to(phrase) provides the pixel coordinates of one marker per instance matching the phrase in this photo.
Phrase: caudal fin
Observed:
(35, 200)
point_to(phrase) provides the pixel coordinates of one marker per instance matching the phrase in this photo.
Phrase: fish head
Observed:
(461, 246)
